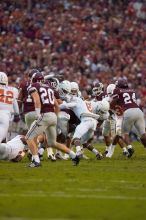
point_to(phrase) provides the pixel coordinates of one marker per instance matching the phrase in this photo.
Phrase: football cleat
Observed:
(131, 152)
(105, 153)
(84, 157)
(52, 157)
(99, 156)
(125, 153)
(76, 161)
(66, 157)
(59, 156)
(34, 164)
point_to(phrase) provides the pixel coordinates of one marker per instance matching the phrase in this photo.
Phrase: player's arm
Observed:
(68, 105)
(56, 106)
(15, 107)
(37, 102)
(59, 101)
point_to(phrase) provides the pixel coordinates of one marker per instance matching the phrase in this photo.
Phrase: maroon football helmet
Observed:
(37, 77)
(122, 83)
(32, 71)
(97, 88)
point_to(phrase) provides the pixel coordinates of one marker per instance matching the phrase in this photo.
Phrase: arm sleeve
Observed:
(67, 105)
(15, 107)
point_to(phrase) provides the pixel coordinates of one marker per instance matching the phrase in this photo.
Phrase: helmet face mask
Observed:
(97, 89)
(64, 89)
(55, 83)
(3, 79)
(74, 88)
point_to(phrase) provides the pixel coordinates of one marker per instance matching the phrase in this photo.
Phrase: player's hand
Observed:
(16, 118)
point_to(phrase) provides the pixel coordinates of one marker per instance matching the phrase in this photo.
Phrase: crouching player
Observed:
(14, 150)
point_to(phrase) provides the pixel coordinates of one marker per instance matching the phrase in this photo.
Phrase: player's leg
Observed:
(140, 127)
(4, 126)
(127, 124)
(106, 135)
(3, 151)
(51, 138)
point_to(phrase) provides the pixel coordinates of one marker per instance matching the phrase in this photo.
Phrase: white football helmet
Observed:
(74, 88)
(3, 78)
(65, 87)
(110, 89)
(104, 106)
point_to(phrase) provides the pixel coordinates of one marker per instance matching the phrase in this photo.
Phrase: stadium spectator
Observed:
(82, 40)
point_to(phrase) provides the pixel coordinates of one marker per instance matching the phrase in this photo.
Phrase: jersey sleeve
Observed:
(115, 94)
(33, 88)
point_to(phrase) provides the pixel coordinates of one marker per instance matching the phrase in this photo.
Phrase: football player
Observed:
(14, 150)
(85, 130)
(46, 108)
(8, 105)
(118, 113)
(99, 93)
(125, 97)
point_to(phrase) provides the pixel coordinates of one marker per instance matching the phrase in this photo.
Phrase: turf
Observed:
(109, 189)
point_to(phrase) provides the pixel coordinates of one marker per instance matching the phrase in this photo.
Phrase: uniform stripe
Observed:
(34, 126)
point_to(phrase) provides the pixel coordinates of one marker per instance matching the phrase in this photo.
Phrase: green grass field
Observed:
(109, 189)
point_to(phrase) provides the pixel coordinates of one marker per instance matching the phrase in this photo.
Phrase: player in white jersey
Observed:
(13, 150)
(8, 105)
(85, 130)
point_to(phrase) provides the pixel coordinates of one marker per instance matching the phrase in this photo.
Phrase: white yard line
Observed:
(23, 218)
(65, 195)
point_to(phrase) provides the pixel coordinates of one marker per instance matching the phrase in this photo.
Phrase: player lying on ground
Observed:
(14, 150)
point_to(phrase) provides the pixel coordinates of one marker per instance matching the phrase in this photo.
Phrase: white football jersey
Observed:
(8, 95)
(79, 106)
(95, 106)
(96, 110)
(15, 146)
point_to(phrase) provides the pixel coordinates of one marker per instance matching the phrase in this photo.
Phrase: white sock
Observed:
(95, 151)
(36, 158)
(112, 146)
(107, 148)
(49, 151)
(78, 148)
(41, 151)
(72, 154)
(124, 149)
(129, 146)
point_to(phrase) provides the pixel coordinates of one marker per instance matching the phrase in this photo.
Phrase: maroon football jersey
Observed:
(46, 95)
(56, 93)
(28, 104)
(101, 96)
(126, 98)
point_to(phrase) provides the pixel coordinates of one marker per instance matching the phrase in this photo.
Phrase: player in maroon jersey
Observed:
(125, 97)
(25, 99)
(46, 108)
(99, 94)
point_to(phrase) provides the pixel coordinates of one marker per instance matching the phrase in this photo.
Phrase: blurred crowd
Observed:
(83, 40)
